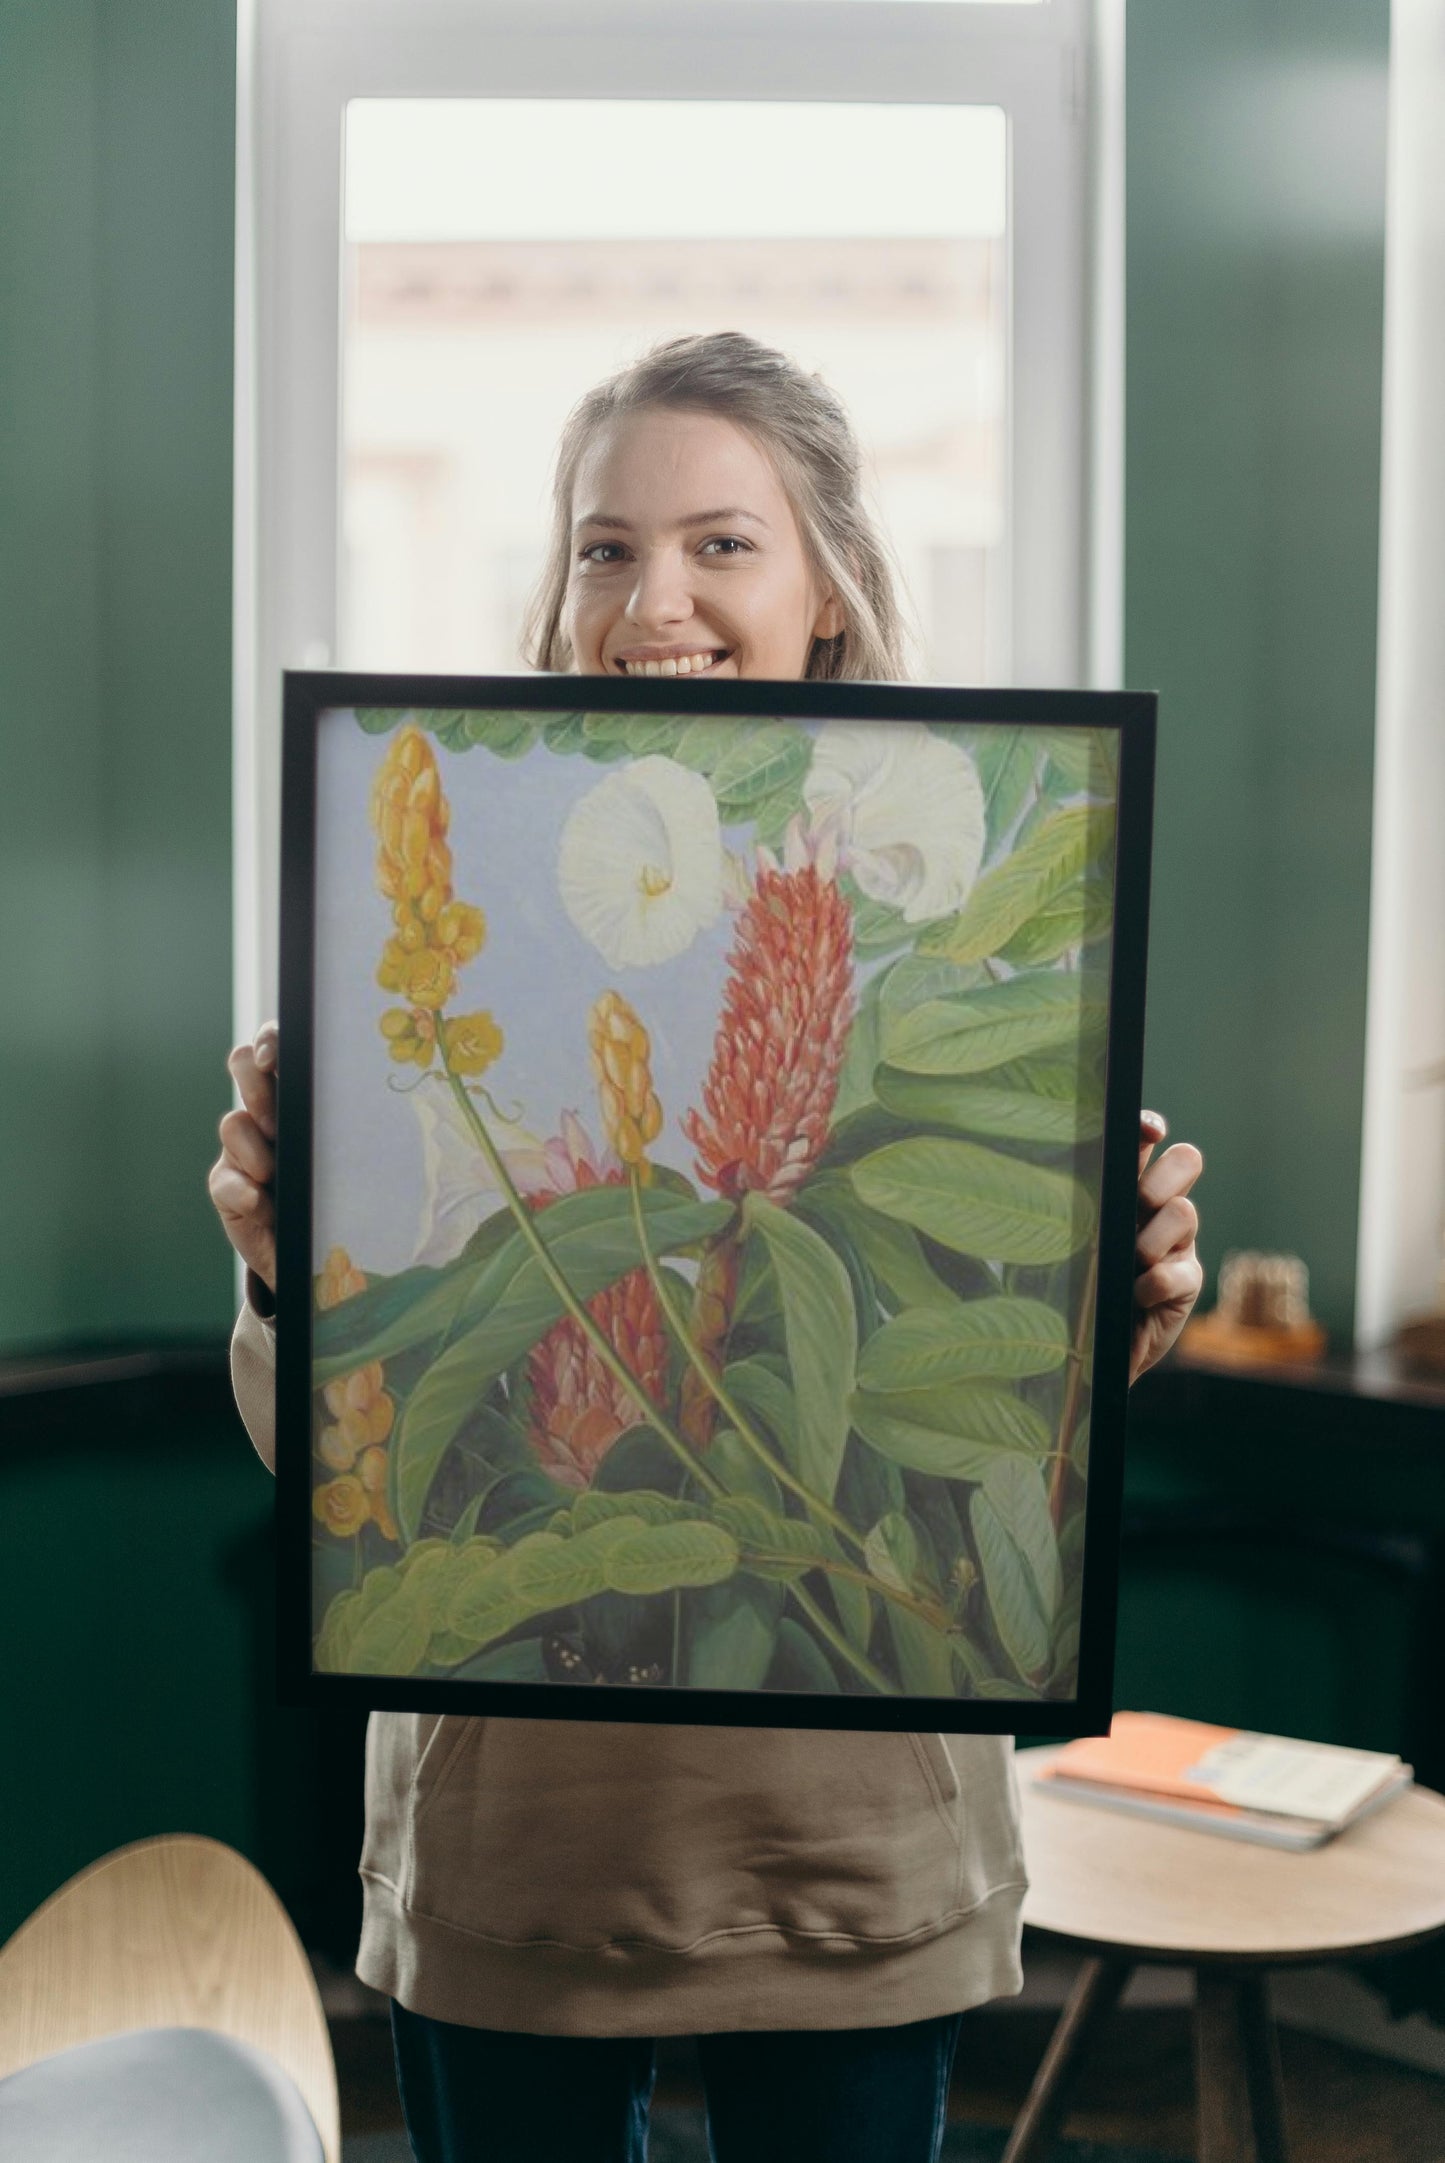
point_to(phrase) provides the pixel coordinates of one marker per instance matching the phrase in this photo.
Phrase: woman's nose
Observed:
(661, 595)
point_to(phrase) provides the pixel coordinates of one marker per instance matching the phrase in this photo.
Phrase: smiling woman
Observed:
(644, 578)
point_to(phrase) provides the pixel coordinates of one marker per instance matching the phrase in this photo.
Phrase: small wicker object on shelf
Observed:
(1263, 1316)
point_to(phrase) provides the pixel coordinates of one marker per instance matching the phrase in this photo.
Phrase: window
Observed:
(448, 214)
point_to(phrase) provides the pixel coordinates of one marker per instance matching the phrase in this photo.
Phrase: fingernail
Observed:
(1156, 1119)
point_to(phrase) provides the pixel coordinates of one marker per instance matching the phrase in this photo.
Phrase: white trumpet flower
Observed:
(906, 811)
(640, 867)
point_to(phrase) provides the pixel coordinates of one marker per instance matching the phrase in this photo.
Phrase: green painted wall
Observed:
(117, 130)
(1255, 266)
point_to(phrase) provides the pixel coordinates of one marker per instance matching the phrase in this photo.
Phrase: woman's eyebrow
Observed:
(729, 515)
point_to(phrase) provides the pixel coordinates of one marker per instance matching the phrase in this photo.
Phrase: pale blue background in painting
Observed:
(536, 973)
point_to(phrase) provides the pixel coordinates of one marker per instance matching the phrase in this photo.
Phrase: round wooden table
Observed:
(1125, 1890)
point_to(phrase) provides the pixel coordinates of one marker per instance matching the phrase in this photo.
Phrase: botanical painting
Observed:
(706, 1158)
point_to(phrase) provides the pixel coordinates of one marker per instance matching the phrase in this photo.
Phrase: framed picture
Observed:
(708, 1141)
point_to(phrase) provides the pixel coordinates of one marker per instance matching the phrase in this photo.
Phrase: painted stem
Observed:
(723, 1396)
(586, 1322)
(1072, 1385)
(858, 1661)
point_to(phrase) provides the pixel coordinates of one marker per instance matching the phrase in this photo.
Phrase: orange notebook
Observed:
(1192, 1762)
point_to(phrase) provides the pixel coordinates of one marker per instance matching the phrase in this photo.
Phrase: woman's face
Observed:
(686, 557)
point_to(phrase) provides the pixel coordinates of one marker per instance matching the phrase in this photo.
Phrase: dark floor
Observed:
(1343, 2105)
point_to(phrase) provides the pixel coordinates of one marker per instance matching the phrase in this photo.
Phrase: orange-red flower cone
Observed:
(787, 1008)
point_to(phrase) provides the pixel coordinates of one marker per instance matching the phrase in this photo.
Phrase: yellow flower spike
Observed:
(622, 1063)
(460, 932)
(416, 837)
(338, 1279)
(371, 1470)
(427, 979)
(430, 903)
(410, 1034)
(381, 1418)
(473, 1043)
(334, 1449)
(382, 1517)
(426, 793)
(343, 1505)
(355, 1428)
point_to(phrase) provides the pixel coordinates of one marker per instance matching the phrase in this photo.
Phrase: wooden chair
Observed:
(176, 1932)
(1125, 1890)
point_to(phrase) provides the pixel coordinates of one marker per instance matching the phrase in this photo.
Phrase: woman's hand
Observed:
(1168, 1275)
(241, 1177)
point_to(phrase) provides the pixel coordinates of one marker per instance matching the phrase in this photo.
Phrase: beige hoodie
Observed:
(562, 1877)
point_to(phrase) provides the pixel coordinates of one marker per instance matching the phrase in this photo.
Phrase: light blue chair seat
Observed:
(156, 2095)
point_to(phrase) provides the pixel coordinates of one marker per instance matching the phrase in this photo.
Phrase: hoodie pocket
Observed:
(588, 1834)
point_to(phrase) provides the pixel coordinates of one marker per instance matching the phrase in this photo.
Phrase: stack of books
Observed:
(1269, 1788)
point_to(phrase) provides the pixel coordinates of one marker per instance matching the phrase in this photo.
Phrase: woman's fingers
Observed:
(247, 1147)
(1171, 1227)
(1174, 1282)
(253, 1069)
(1172, 1174)
(247, 1215)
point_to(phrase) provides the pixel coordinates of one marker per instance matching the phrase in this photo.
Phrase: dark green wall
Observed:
(117, 133)
(1255, 265)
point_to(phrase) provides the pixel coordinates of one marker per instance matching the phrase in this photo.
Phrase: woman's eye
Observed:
(601, 552)
(726, 544)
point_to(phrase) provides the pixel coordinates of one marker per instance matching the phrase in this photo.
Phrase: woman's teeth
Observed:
(687, 664)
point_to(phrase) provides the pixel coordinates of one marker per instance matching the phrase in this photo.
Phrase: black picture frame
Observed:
(1131, 718)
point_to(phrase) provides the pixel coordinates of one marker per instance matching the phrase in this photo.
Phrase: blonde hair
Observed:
(804, 428)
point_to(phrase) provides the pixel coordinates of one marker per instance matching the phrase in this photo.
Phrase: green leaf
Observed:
(892, 1252)
(592, 1240)
(997, 1023)
(1020, 1102)
(754, 762)
(900, 1552)
(390, 1316)
(1005, 759)
(1080, 759)
(733, 1633)
(547, 1571)
(338, 1628)
(661, 1558)
(597, 1506)
(1075, 917)
(772, 1545)
(865, 1049)
(505, 735)
(380, 720)
(973, 1337)
(753, 1385)
(1014, 1534)
(479, 1602)
(977, 1201)
(740, 1471)
(956, 1433)
(392, 1635)
(821, 1332)
(800, 1665)
(636, 735)
(914, 980)
(565, 733)
(1023, 883)
(466, 1525)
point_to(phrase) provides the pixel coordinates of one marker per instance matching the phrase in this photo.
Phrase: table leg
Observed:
(1241, 2116)
(1095, 1993)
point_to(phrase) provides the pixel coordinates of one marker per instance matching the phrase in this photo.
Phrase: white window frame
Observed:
(1056, 69)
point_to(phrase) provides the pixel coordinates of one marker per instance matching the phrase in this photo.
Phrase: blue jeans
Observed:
(831, 2095)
